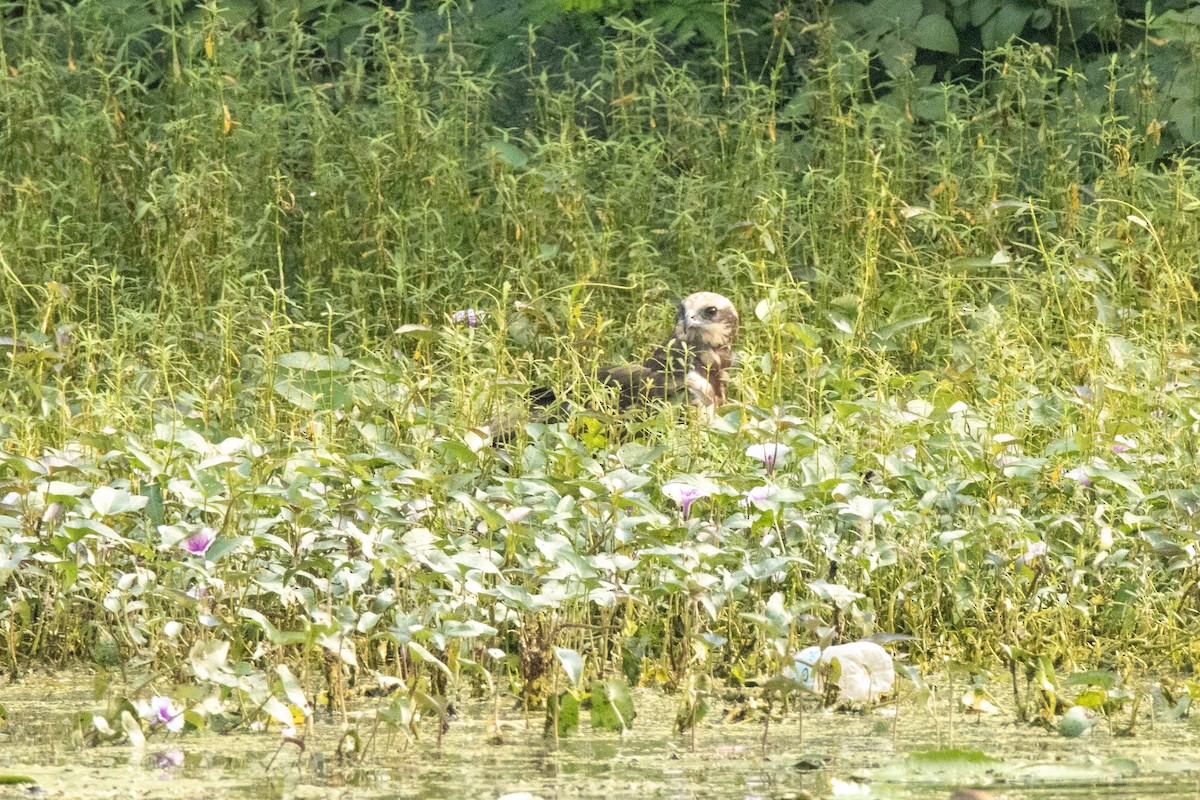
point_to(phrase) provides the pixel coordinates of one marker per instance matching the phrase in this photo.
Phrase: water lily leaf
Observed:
(572, 664)
(292, 689)
(612, 705)
(563, 710)
(947, 765)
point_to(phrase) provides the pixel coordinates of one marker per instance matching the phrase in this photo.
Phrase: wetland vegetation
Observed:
(264, 278)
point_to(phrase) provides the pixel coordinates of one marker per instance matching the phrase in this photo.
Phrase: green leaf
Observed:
(935, 32)
(292, 689)
(429, 658)
(107, 500)
(312, 391)
(273, 634)
(690, 715)
(422, 333)
(508, 153)
(1104, 678)
(1093, 699)
(567, 706)
(132, 728)
(314, 362)
(612, 705)
(572, 664)
(1006, 23)
(941, 758)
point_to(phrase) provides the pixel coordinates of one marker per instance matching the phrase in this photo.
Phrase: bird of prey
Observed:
(691, 367)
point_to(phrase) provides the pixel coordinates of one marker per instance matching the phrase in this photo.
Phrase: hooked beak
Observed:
(683, 315)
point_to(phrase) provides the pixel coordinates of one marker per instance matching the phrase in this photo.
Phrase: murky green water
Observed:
(862, 756)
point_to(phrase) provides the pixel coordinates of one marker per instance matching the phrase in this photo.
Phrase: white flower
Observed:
(768, 453)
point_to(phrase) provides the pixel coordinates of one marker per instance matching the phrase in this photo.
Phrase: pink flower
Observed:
(685, 494)
(163, 711)
(1121, 444)
(1079, 474)
(198, 543)
(759, 494)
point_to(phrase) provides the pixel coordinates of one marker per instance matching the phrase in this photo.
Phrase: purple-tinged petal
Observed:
(198, 543)
(1121, 444)
(758, 494)
(1033, 551)
(163, 711)
(685, 494)
(1079, 475)
(769, 454)
(469, 317)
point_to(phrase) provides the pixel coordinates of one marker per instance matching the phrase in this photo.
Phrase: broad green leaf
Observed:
(428, 657)
(107, 500)
(292, 689)
(612, 705)
(509, 153)
(567, 707)
(314, 362)
(572, 664)
(273, 634)
(935, 32)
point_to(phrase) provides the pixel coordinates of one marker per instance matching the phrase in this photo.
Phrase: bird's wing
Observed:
(636, 383)
(662, 376)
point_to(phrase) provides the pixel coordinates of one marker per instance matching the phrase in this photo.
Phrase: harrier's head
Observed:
(706, 320)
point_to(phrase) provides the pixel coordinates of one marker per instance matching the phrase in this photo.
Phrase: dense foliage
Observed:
(240, 445)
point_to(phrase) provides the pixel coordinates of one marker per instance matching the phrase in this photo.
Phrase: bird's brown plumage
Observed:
(692, 365)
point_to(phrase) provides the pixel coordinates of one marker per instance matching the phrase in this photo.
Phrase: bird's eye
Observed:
(711, 311)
